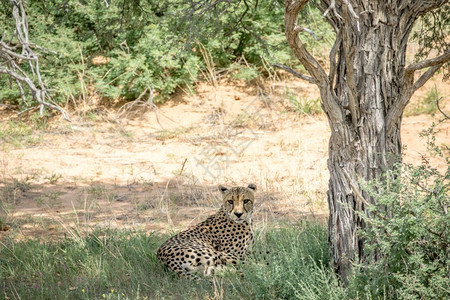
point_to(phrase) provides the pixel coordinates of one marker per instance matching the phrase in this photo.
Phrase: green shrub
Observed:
(148, 64)
(245, 73)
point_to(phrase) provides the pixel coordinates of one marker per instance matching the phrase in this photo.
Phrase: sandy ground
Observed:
(158, 169)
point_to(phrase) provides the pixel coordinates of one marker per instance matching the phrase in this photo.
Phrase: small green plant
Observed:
(11, 188)
(40, 122)
(97, 191)
(163, 135)
(243, 120)
(167, 134)
(52, 179)
(50, 199)
(93, 116)
(244, 72)
(304, 105)
(425, 105)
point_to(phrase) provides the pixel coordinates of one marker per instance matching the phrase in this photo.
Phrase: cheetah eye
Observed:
(246, 201)
(230, 201)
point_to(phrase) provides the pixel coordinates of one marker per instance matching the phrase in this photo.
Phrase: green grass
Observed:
(165, 134)
(121, 264)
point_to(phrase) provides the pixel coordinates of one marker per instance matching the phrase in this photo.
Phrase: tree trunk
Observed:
(364, 96)
(356, 153)
(369, 75)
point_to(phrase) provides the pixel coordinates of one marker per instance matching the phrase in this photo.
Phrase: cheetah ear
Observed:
(252, 186)
(222, 188)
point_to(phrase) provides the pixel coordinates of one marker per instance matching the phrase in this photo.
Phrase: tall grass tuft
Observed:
(296, 267)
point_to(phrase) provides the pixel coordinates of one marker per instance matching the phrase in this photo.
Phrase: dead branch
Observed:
(294, 72)
(354, 188)
(139, 102)
(332, 7)
(334, 18)
(22, 51)
(310, 32)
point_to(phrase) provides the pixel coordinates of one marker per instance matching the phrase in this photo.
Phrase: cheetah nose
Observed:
(238, 214)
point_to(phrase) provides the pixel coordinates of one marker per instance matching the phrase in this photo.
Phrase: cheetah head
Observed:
(238, 202)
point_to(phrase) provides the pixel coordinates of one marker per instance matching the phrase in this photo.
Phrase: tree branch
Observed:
(425, 77)
(354, 188)
(295, 73)
(333, 53)
(422, 7)
(292, 10)
(334, 18)
(332, 7)
(410, 86)
(439, 108)
(350, 17)
(313, 67)
(439, 60)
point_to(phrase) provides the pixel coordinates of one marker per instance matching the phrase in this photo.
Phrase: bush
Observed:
(407, 235)
(148, 63)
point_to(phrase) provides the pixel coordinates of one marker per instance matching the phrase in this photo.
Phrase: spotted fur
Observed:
(223, 238)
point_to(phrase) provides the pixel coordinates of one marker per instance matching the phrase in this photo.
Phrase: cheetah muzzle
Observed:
(223, 238)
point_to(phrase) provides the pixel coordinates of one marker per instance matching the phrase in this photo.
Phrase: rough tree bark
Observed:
(363, 95)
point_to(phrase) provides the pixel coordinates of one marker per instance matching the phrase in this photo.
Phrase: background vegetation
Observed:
(129, 47)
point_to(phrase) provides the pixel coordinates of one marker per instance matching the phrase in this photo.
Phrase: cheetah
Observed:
(223, 238)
